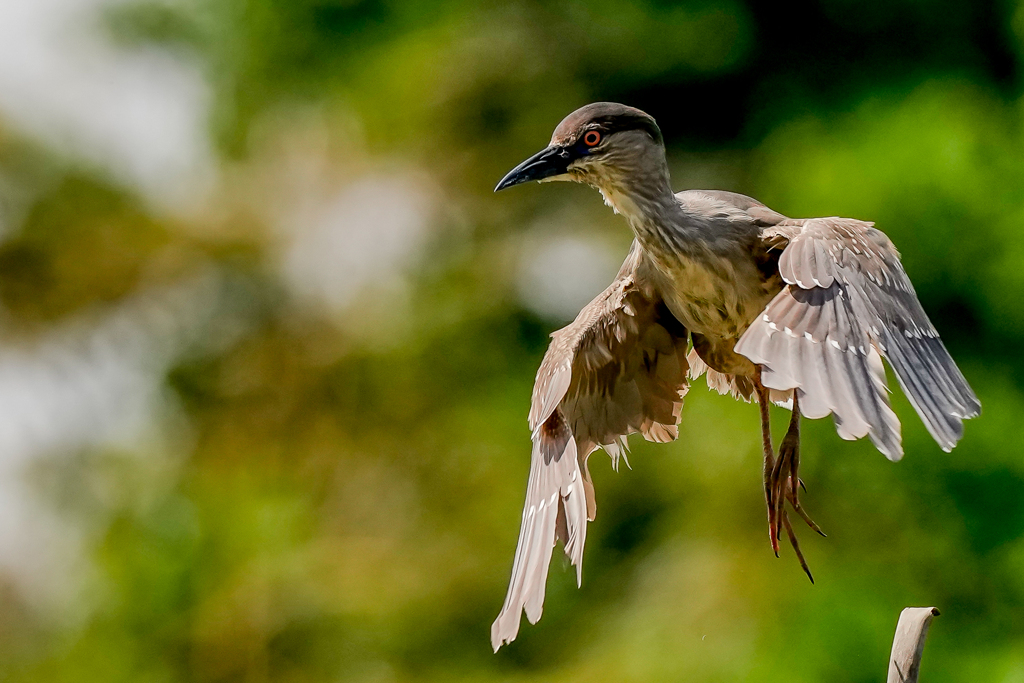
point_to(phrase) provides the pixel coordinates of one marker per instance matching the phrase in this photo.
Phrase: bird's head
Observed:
(601, 144)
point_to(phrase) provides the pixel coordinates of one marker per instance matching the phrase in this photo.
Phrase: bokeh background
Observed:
(267, 338)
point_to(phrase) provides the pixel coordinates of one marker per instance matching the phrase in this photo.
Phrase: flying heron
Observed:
(799, 312)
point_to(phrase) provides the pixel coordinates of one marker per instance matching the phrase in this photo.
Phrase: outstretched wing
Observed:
(847, 300)
(619, 368)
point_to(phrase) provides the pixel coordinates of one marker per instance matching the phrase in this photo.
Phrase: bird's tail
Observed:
(556, 508)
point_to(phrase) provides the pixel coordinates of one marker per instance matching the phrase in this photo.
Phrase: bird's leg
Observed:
(784, 474)
(769, 464)
(785, 479)
(785, 483)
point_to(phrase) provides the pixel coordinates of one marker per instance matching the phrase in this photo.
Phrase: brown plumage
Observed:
(796, 311)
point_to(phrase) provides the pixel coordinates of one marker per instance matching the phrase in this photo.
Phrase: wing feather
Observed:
(848, 303)
(619, 368)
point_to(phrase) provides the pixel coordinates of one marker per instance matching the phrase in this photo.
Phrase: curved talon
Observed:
(798, 509)
(796, 546)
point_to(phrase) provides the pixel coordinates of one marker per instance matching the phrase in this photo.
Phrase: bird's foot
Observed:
(782, 485)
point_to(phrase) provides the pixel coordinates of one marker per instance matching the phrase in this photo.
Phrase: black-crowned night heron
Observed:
(796, 311)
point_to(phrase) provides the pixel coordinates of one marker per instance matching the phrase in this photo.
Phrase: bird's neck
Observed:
(638, 189)
(648, 204)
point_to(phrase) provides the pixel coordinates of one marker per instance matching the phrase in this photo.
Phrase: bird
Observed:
(799, 312)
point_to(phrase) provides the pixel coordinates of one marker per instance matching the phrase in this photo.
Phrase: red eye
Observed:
(591, 138)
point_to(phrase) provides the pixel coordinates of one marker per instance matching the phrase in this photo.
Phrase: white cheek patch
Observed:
(608, 201)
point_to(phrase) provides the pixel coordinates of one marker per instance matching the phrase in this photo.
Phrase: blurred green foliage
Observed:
(342, 496)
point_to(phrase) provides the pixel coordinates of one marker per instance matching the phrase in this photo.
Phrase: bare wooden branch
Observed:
(912, 629)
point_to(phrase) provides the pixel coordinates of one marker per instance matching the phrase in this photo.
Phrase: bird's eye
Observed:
(591, 138)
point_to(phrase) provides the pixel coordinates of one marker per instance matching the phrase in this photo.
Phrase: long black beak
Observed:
(548, 162)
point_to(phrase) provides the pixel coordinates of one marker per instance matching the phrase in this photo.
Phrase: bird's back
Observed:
(719, 275)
